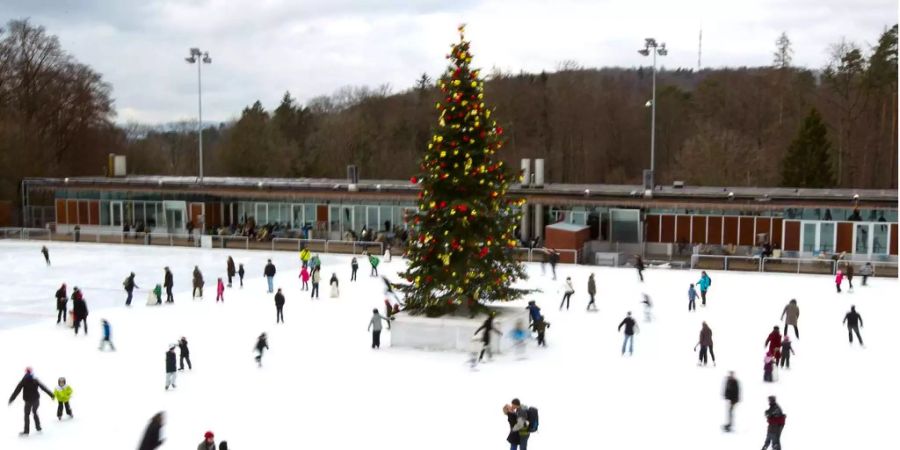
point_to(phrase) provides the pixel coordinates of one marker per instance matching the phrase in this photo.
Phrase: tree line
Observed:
(746, 126)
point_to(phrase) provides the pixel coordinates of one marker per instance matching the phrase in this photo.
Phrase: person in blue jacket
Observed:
(692, 297)
(704, 283)
(107, 332)
(534, 311)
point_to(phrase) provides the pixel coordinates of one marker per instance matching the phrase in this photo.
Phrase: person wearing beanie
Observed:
(279, 306)
(29, 386)
(61, 300)
(209, 442)
(775, 418)
(63, 393)
(170, 367)
(80, 310)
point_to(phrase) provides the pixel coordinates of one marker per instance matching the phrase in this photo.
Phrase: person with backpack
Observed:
(630, 328)
(692, 297)
(61, 300)
(229, 270)
(487, 327)
(568, 290)
(29, 386)
(853, 321)
(790, 315)
(184, 354)
(705, 282)
(46, 254)
(170, 367)
(592, 291)
(262, 343)
(168, 284)
(62, 393)
(316, 277)
(354, 266)
(706, 345)
(107, 335)
(79, 311)
(733, 395)
(279, 307)
(241, 273)
(220, 291)
(375, 327)
(775, 419)
(129, 285)
(786, 351)
(373, 260)
(198, 283)
(526, 423)
(269, 273)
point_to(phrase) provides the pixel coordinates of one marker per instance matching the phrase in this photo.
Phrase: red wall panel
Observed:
(699, 233)
(61, 212)
(715, 230)
(844, 237)
(731, 230)
(683, 230)
(72, 212)
(893, 239)
(762, 226)
(652, 224)
(94, 212)
(776, 232)
(668, 228)
(83, 213)
(747, 235)
(791, 235)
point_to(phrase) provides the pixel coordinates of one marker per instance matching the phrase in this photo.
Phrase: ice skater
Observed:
(198, 283)
(534, 311)
(373, 261)
(568, 290)
(241, 273)
(262, 343)
(62, 393)
(540, 326)
(279, 306)
(692, 297)
(305, 255)
(316, 276)
(269, 273)
(389, 291)
(151, 439)
(487, 328)
(209, 442)
(848, 273)
(229, 270)
(554, 260)
(630, 329)
(769, 367)
(639, 265)
(375, 327)
(705, 282)
(79, 311)
(592, 291)
(773, 341)
(107, 335)
(130, 286)
(648, 307)
(335, 293)
(157, 293)
(706, 345)
(170, 367)
(853, 321)
(520, 339)
(29, 386)
(775, 419)
(786, 351)
(46, 254)
(61, 300)
(168, 284)
(184, 354)
(838, 279)
(866, 272)
(733, 395)
(790, 315)
(354, 266)
(220, 291)
(304, 278)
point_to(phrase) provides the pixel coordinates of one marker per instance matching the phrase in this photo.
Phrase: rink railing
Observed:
(327, 245)
(787, 265)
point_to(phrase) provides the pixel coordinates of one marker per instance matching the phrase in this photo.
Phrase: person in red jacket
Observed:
(774, 343)
(775, 418)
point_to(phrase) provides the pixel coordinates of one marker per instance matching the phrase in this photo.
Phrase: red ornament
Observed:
(499, 130)
(483, 252)
(413, 180)
(443, 204)
(462, 208)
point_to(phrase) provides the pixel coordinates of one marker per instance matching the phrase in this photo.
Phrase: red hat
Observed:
(28, 370)
(208, 435)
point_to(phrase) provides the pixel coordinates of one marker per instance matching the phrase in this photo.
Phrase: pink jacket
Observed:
(839, 277)
(304, 274)
(220, 288)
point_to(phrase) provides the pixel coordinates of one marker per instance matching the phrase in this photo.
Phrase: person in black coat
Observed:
(269, 272)
(262, 343)
(554, 260)
(151, 439)
(184, 354)
(46, 254)
(61, 300)
(29, 386)
(511, 418)
(733, 395)
(853, 321)
(279, 307)
(241, 273)
(630, 327)
(229, 268)
(168, 284)
(129, 288)
(488, 327)
(639, 265)
(80, 309)
(170, 367)
(354, 266)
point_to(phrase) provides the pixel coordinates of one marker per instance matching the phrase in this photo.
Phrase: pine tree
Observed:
(461, 247)
(808, 163)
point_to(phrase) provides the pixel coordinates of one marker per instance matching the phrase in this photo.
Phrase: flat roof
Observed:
(584, 192)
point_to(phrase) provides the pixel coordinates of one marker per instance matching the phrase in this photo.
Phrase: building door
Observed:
(372, 218)
(115, 212)
(261, 213)
(862, 239)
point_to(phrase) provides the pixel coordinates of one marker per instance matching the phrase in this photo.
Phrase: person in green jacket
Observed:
(373, 260)
(62, 394)
(157, 291)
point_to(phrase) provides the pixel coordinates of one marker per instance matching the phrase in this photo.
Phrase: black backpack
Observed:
(532, 415)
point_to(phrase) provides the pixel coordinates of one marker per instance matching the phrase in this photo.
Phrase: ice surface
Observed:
(321, 386)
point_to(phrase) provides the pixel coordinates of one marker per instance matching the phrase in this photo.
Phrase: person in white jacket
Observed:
(567, 295)
(334, 286)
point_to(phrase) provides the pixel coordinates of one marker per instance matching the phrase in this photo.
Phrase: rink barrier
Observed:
(788, 265)
(25, 233)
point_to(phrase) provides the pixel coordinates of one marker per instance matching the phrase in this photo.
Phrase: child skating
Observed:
(63, 393)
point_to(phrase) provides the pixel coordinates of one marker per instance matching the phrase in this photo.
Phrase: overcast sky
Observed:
(261, 48)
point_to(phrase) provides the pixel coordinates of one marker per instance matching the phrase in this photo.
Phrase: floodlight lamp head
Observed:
(190, 59)
(207, 59)
(650, 42)
(662, 50)
(644, 52)
(195, 51)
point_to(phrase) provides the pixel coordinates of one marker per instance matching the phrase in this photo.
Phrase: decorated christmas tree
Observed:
(461, 250)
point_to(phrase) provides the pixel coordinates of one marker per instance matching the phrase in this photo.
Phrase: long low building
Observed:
(807, 222)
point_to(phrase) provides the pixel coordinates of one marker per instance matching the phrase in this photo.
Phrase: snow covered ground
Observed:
(322, 387)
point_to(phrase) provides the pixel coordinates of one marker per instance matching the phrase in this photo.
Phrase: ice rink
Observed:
(322, 387)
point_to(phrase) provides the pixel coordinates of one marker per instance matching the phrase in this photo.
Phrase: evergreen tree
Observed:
(807, 163)
(461, 246)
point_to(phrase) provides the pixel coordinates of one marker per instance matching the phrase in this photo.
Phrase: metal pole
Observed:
(200, 113)
(652, 121)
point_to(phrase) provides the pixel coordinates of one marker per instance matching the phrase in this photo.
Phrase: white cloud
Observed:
(260, 48)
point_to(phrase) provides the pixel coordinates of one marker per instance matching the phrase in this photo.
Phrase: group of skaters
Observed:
(152, 438)
(30, 387)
